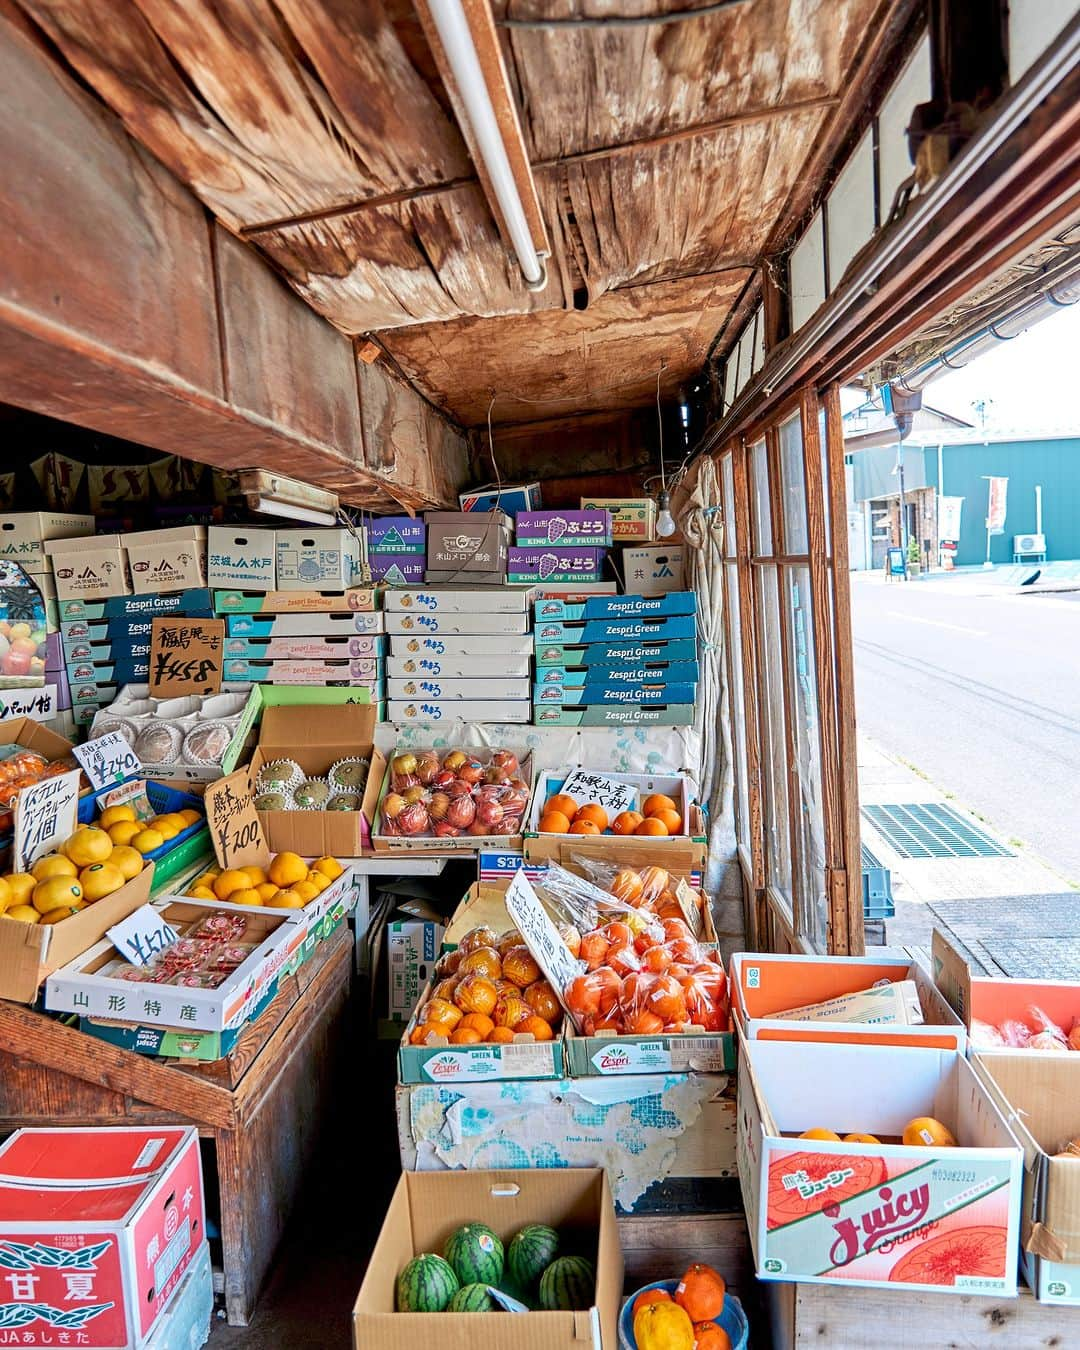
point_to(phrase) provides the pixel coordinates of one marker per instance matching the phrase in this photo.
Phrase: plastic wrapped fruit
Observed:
(542, 999)
(510, 1011)
(448, 963)
(482, 961)
(438, 805)
(413, 819)
(520, 965)
(511, 938)
(476, 993)
(461, 813)
(481, 936)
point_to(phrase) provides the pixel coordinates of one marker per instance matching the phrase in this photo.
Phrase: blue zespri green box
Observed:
(612, 715)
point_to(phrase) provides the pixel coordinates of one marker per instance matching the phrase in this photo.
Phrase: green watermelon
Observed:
(427, 1284)
(530, 1253)
(568, 1285)
(472, 1298)
(476, 1254)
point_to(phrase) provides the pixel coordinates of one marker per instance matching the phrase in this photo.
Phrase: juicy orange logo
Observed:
(895, 1215)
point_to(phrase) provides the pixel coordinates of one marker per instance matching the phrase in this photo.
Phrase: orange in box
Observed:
(764, 984)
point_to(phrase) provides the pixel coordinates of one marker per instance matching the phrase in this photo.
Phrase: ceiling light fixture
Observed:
(270, 506)
(290, 498)
(485, 134)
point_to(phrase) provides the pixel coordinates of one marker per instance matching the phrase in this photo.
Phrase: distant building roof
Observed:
(870, 426)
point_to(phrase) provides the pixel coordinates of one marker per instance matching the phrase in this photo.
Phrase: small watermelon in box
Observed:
(445, 1236)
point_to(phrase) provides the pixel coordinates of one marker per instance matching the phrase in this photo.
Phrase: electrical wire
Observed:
(622, 20)
(660, 427)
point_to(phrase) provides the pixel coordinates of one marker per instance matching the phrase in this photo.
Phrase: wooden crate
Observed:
(840, 1318)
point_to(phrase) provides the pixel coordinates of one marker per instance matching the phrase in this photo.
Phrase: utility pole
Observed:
(903, 513)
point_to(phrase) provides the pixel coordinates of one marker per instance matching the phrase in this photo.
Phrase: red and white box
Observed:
(97, 1228)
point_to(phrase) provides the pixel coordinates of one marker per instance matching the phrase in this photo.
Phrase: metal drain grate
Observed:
(932, 830)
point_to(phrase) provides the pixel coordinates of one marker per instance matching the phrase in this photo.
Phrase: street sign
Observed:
(896, 566)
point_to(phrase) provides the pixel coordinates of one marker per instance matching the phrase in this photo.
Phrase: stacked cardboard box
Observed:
(467, 547)
(396, 549)
(616, 659)
(106, 642)
(559, 546)
(458, 653)
(511, 497)
(23, 536)
(305, 637)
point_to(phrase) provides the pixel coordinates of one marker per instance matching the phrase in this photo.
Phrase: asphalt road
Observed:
(982, 695)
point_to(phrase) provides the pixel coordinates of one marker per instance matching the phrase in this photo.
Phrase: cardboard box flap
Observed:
(314, 730)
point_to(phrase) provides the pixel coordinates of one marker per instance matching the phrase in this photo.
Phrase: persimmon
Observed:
(554, 822)
(627, 886)
(651, 826)
(685, 950)
(584, 827)
(626, 822)
(710, 1336)
(657, 802)
(676, 928)
(666, 999)
(654, 881)
(618, 933)
(594, 949)
(594, 812)
(623, 960)
(656, 959)
(645, 1023)
(562, 803)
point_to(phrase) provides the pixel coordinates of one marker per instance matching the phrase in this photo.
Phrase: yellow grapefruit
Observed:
(246, 895)
(88, 845)
(926, 1132)
(305, 890)
(329, 867)
(114, 815)
(861, 1139)
(255, 875)
(128, 860)
(318, 880)
(124, 831)
(147, 840)
(267, 890)
(54, 892)
(21, 885)
(232, 879)
(286, 900)
(99, 880)
(818, 1133)
(53, 865)
(23, 913)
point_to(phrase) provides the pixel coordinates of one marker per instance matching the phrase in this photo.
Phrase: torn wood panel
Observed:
(605, 356)
(282, 362)
(584, 88)
(420, 261)
(405, 440)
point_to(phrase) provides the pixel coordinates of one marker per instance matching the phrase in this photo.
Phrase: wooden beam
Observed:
(122, 308)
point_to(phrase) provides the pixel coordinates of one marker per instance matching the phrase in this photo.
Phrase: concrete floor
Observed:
(307, 1303)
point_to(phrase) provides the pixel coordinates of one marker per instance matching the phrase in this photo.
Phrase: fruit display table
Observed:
(261, 1105)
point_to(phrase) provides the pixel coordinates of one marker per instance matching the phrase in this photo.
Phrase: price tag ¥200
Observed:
(234, 823)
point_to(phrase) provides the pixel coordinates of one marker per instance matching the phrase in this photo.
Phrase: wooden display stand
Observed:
(261, 1105)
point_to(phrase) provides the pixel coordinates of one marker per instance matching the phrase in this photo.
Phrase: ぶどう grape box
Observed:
(97, 1228)
(879, 1212)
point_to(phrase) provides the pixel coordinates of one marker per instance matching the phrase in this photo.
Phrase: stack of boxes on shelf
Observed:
(467, 548)
(650, 565)
(616, 659)
(396, 549)
(293, 613)
(559, 547)
(458, 653)
(109, 591)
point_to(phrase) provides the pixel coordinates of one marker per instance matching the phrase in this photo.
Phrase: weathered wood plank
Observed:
(397, 430)
(569, 361)
(283, 363)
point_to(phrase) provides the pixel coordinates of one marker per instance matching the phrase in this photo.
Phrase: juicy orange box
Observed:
(939, 1218)
(764, 984)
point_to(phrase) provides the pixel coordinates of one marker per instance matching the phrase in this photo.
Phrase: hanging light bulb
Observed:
(665, 521)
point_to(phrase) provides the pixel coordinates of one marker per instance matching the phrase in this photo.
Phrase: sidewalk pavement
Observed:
(916, 882)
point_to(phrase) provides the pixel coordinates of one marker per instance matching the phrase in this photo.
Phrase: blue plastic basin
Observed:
(732, 1319)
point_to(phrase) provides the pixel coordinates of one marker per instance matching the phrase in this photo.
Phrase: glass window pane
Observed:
(825, 478)
(727, 488)
(851, 209)
(774, 748)
(793, 486)
(738, 707)
(807, 273)
(810, 898)
(759, 487)
(894, 163)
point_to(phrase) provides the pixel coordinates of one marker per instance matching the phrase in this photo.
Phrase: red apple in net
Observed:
(478, 828)
(459, 788)
(427, 766)
(438, 806)
(506, 760)
(404, 763)
(461, 812)
(412, 795)
(443, 778)
(400, 781)
(509, 824)
(445, 830)
(454, 760)
(489, 812)
(493, 774)
(472, 772)
(414, 819)
(393, 804)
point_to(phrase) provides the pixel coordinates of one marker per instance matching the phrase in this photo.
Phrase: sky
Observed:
(1027, 384)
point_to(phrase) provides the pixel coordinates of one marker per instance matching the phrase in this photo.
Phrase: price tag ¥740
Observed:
(234, 823)
(107, 760)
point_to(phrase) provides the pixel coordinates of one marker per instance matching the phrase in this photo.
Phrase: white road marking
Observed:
(935, 623)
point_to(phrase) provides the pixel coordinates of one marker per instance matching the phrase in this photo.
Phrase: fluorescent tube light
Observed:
(270, 506)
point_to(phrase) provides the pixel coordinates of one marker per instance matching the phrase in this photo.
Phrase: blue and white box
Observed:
(237, 555)
(681, 627)
(396, 534)
(618, 607)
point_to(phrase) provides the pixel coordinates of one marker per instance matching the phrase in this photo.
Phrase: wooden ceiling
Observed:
(318, 130)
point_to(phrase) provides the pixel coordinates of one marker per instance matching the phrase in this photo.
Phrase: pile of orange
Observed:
(659, 816)
(489, 989)
(288, 882)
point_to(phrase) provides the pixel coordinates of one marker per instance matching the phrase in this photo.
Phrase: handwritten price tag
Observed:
(234, 823)
(142, 936)
(107, 760)
(541, 936)
(596, 787)
(45, 815)
(186, 656)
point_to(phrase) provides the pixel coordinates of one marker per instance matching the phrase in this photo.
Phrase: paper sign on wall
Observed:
(41, 704)
(142, 936)
(107, 759)
(185, 656)
(541, 936)
(46, 813)
(614, 796)
(234, 824)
